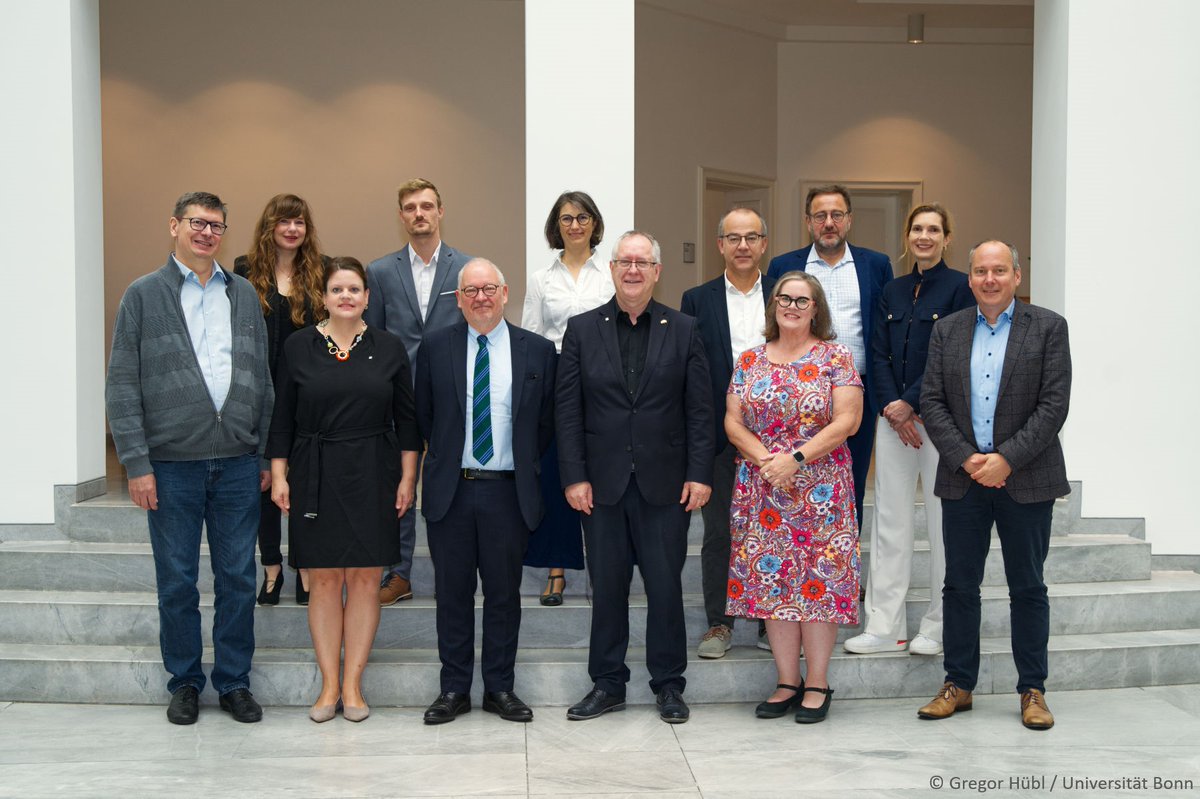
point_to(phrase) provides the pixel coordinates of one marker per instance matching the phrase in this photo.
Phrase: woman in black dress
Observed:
(343, 433)
(285, 266)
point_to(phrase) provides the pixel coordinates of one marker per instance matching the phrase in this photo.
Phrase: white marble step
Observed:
(76, 565)
(1167, 600)
(555, 677)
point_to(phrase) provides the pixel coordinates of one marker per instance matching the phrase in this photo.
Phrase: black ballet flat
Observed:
(812, 715)
(777, 710)
(271, 597)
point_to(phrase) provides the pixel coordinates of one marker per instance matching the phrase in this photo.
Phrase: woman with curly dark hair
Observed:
(285, 266)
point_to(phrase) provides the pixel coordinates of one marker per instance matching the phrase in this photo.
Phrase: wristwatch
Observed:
(799, 456)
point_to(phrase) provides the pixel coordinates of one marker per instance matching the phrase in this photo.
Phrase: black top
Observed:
(904, 321)
(633, 340)
(279, 318)
(342, 425)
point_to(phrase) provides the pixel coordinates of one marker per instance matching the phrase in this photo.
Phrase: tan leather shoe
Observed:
(395, 590)
(950, 700)
(1034, 713)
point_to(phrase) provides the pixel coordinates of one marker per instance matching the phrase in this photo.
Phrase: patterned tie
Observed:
(481, 407)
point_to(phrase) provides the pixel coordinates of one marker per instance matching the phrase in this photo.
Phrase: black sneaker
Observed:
(185, 706)
(240, 704)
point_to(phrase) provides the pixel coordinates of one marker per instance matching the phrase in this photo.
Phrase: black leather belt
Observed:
(488, 474)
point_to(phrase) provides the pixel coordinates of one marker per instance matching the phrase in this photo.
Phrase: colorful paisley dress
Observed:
(795, 553)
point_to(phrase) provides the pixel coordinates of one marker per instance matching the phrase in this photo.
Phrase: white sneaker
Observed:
(868, 644)
(924, 645)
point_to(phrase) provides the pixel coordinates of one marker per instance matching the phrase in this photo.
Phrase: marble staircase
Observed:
(79, 623)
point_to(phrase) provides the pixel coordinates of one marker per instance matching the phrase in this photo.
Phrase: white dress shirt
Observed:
(500, 372)
(423, 276)
(208, 314)
(553, 296)
(747, 317)
(840, 282)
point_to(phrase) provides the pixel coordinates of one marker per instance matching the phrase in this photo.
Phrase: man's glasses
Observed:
(787, 301)
(838, 217)
(750, 238)
(643, 265)
(197, 224)
(473, 291)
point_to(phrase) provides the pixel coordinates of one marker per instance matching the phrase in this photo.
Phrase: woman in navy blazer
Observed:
(908, 309)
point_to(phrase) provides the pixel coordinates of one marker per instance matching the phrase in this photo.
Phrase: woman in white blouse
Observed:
(576, 281)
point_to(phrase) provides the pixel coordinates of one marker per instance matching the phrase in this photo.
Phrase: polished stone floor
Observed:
(867, 748)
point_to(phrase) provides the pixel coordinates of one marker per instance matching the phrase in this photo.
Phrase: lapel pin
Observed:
(662, 321)
(606, 319)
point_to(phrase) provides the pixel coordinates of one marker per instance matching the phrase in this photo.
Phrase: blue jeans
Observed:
(223, 495)
(1024, 542)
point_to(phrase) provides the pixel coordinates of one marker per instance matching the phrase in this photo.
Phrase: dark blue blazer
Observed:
(441, 400)
(874, 272)
(903, 324)
(707, 303)
(663, 434)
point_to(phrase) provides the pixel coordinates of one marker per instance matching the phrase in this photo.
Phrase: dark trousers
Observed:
(482, 532)
(1024, 541)
(861, 444)
(406, 530)
(270, 535)
(714, 554)
(657, 536)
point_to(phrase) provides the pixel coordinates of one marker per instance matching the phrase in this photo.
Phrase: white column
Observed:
(579, 113)
(51, 210)
(1115, 203)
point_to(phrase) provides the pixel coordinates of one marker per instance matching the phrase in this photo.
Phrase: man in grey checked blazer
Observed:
(995, 396)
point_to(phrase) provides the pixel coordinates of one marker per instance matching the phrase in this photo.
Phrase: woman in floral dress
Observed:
(795, 560)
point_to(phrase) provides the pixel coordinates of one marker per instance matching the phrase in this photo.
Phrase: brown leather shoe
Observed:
(950, 700)
(396, 589)
(1034, 713)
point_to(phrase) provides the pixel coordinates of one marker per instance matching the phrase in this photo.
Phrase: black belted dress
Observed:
(342, 426)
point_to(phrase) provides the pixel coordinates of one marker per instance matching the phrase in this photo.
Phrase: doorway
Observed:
(719, 192)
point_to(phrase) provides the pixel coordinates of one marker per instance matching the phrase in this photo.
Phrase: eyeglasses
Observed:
(750, 238)
(838, 217)
(583, 219)
(198, 224)
(643, 265)
(787, 301)
(473, 291)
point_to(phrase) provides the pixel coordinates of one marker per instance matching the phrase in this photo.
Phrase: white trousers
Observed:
(896, 469)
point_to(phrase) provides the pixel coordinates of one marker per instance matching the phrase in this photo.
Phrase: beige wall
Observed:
(705, 97)
(337, 102)
(957, 117)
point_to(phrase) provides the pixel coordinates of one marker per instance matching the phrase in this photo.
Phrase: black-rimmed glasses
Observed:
(197, 224)
(473, 291)
(787, 301)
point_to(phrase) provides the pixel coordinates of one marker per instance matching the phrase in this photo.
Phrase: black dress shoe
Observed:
(240, 704)
(447, 707)
(185, 705)
(507, 705)
(671, 707)
(595, 704)
(812, 715)
(271, 597)
(777, 710)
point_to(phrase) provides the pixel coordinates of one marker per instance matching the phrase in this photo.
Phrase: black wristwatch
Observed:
(799, 456)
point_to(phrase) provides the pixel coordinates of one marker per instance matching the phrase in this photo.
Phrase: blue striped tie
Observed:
(481, 406)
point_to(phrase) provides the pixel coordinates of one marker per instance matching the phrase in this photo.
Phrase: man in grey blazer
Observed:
(412, 293)
(995, 396)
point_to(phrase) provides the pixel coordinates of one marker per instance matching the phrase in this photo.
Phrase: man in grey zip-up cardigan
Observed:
(189, 402)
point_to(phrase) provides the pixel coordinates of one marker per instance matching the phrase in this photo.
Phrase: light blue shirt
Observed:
(987, 365)
(207, 311)
(500, 364)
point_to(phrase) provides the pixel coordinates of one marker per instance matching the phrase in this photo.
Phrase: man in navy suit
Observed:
(412, 293)
(485, 405)
(853, 279)
(731, 312)
(635, 451)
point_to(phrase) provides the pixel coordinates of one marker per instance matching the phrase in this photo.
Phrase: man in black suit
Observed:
(995, 395)
(731, 311)
(635, 441)
(853, 279)
(485, 405)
